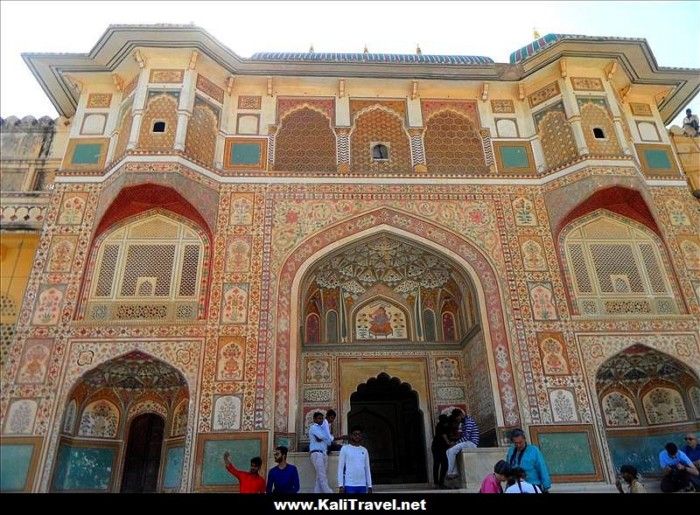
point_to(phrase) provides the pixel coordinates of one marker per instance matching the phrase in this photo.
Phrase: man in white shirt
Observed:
(319, 440)
(354, 476)
(691, 127)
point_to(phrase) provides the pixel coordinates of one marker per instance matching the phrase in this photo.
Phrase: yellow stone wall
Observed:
(16, 259)
(688, 151)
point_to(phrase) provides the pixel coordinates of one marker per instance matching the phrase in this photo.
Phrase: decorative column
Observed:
(485, 134)
(538, 154)
(617, 118)
(417, 149)
(184, 109)
(137, 108)
(573, 115)
(271, 133)
(342, 138)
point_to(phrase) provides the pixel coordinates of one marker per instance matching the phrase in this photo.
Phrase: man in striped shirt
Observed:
(469, 439)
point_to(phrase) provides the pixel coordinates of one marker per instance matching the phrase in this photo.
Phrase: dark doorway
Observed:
(389, 413)
(142, 460)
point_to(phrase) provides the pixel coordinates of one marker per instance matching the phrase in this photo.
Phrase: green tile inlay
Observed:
(514, 157)
(172, 475)
(83, 468)
(658, 159)
(567, 453)
(245, 154)
(14, 466)
(86, 154)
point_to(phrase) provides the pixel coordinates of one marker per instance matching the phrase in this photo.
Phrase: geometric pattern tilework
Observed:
(160, 107)
(597, 116)
(617, 267)
(452, 145)
(379, 125)
(202, 129)
(305, 142)
(556, 136)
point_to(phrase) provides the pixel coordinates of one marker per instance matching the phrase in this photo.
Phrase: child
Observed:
(492, 483)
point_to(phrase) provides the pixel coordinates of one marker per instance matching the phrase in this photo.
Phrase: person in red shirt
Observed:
(251, 482)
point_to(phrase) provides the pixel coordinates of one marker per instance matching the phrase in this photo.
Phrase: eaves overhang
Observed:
(120, 41)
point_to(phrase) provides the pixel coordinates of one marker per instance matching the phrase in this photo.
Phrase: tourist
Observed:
(492, 483)
(354, 476)
(468, 439)
(530, 459)
(328, 425)
(439, 448)
(319, 440)
(283, 478)
(250, 482)
(691, 126)
(630, 478)
(518, 485)
(692, 449)
(677, 469)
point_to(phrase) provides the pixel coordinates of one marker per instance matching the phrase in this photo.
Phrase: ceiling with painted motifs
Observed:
(639, 364)
(384, 260)
(135, 371)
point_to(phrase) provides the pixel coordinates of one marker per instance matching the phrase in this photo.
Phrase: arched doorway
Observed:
(389, 302)
(142, 460)
(647, 398)
(122, 420)
(389, 413)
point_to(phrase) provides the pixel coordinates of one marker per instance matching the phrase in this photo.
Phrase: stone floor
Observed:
(652, 486)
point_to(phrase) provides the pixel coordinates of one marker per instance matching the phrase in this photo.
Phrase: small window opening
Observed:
(159, 127)
(380, 152)
(598, 133)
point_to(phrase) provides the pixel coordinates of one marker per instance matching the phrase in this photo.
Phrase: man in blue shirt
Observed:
(677, 469)
(530, 459)
(284, 478)
(692, 449)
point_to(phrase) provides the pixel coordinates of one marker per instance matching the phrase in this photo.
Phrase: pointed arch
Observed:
(305, 141)
(453, 144)
(617, 266)
(148, 266)
(379, 124)
(456, 248)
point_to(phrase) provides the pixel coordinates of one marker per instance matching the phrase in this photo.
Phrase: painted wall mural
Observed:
(380, 320)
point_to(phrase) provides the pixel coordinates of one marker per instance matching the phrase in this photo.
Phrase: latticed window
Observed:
(149, 269)
(616, 269)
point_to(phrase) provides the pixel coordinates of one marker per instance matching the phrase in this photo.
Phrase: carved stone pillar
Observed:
(137, 109)
(417, 149)
(271, 134)
(485, 134)
(343, 149)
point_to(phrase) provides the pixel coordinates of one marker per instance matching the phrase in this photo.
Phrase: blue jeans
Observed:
(355, 489)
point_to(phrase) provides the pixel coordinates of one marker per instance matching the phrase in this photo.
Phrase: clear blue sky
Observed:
(493, 29)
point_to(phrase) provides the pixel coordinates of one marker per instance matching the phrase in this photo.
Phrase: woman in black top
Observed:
(439, 449)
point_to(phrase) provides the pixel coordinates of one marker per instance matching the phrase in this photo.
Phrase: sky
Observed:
(493, 29)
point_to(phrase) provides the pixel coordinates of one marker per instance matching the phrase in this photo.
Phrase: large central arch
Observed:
(455, 247)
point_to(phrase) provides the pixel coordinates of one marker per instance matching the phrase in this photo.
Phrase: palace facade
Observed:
(203, 250)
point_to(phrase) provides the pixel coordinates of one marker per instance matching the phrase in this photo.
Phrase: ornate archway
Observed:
(456, 248)
(96, 427)
(646, 398)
